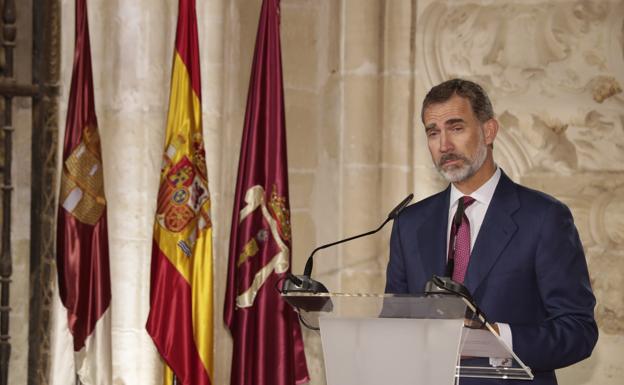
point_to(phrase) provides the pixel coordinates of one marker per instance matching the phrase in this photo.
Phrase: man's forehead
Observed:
(454, 108)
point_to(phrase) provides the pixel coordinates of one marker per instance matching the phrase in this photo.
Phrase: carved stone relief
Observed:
(528, 56)
(518, 47)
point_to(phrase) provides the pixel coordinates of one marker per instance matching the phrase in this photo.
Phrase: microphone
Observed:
(303, 283)
(457, 219)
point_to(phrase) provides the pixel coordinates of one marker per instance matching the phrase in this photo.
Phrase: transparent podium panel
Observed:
(398, 339)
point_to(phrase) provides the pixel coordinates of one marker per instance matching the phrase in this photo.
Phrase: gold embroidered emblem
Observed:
(249, 250)
(82, 181)
(281, 213)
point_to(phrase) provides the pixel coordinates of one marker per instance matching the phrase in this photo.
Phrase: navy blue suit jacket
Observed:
(527, 268)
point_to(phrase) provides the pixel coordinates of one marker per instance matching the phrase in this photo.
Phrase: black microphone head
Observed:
(397, 210)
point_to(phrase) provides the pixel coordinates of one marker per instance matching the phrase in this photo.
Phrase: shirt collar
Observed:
(483, 194)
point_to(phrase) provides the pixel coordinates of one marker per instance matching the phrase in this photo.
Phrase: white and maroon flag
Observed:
(82, 236)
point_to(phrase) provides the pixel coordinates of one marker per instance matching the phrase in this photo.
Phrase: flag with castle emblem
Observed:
(82, 235)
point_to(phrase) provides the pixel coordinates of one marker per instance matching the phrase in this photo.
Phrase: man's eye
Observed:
(432, 133)
(457, 128)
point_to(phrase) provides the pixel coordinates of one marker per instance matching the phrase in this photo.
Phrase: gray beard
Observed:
(468, 169)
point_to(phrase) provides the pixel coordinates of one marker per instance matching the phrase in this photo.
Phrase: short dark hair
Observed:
(479, 101)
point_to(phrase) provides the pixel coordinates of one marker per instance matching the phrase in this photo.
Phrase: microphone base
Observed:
(445, 285)
(438, 286)
(301, 284)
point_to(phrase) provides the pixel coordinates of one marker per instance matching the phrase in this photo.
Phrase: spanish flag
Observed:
(180, 318)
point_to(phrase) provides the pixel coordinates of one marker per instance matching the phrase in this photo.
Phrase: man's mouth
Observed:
(450, 160)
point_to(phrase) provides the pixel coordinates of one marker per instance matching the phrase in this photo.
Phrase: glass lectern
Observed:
(371, 339)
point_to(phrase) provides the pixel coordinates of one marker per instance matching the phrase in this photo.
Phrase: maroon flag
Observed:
(82, 238)
(268, 348)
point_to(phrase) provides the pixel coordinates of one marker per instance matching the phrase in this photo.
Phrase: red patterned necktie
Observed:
(462, 243)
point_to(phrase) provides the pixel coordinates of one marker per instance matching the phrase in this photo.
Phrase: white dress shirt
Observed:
(476, 213)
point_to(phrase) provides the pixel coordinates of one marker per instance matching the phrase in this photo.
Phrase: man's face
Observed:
(455, 138)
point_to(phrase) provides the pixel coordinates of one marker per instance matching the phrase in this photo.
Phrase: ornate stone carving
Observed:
(518, 47)
(538, 60)
(604, 87)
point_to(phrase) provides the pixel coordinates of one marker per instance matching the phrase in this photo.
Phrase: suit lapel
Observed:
(432, 237)
(496, 231)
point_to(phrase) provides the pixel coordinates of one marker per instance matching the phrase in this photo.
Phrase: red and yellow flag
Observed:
(180, 319)
(82, 236)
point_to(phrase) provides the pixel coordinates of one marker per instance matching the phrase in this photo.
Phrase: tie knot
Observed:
(468, 200)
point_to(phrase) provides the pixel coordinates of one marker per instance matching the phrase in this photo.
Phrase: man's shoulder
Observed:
(537, 199)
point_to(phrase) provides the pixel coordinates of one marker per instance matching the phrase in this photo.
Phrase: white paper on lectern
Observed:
(373, 351)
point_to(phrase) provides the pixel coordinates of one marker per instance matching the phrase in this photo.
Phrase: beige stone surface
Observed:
(302, 118)
(397, 120)
(300, 32)
(362, 32)
(365, 277)
(303, 239)
(361, 130)
(397, 21)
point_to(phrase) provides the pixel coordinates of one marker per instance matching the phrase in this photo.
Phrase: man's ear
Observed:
(490, 129)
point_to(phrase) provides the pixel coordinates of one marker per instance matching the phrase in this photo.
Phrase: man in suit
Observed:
(522, 259)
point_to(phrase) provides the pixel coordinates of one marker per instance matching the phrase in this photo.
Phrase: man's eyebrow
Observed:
(449, 122)
(453, 121)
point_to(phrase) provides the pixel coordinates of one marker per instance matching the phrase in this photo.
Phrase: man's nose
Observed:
(445, 144)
